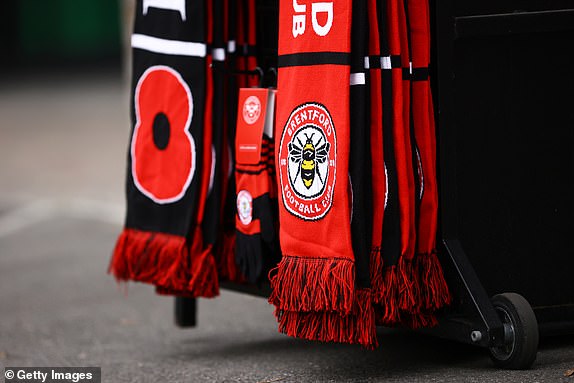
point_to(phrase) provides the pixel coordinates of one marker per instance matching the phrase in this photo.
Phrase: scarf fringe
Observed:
(409, 285)
(409, 292)
(156, 258)
(386, 297)
(434, 290)
(166, 261)
(395, 289)
(376, 270)
(199, 286)
(313, 285)
(227, 267)
(203, 280)
(357, 327)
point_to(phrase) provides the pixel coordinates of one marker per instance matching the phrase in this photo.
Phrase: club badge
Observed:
(245, 207)
(251, 110)
(307, 162)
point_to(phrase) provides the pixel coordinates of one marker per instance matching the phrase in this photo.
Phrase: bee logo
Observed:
(307, 161)
(308, 156)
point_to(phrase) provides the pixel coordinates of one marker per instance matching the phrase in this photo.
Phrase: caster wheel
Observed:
(185, 312)
(520, 332)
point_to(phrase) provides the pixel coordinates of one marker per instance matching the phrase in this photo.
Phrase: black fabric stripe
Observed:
(420, 74)
(382, 21)
(314, 58)
(406, 73)
(359, 164)
(374, 62)
(391, 233)
(396, 61)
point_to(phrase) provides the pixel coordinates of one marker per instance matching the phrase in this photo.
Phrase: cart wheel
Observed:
(520, 332)
(185, 312)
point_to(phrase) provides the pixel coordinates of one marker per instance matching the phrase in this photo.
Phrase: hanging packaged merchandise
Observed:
(241, 69)
(166, 152)
(256, 243)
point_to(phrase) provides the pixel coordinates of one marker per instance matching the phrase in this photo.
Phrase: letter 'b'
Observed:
(298, 25)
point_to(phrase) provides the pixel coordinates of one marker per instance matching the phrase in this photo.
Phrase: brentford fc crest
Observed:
(251, 109)
(307, 162)
(245, 207)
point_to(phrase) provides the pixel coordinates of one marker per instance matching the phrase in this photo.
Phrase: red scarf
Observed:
(433, 290)
(314, 284)
(166, 152)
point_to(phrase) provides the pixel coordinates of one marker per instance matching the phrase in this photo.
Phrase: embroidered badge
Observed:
(245, 207)
(307, 162)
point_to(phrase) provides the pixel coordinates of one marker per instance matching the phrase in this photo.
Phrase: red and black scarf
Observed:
(434, 292)
(314, 285)
(166, 152)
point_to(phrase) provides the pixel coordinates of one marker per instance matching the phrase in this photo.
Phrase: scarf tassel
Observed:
(410, 291)
(166, 261)
(156, 258)
(203, 280)
(434, 290)
(201, 277)
(357, 327)
(313, 285)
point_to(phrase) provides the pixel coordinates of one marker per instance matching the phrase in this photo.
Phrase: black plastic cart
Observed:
(504, 97)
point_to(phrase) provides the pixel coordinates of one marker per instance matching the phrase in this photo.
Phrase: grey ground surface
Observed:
(61, 206)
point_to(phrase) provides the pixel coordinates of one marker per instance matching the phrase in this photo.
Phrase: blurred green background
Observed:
(40, 34)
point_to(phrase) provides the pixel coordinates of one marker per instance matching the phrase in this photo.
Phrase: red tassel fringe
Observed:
(157, 258)
(201, 282)
(313, 285)
(166, 261)
(203, 279)
(376, 268)
(387, 297)
(357, 327)
(408, 293)
(434, 290)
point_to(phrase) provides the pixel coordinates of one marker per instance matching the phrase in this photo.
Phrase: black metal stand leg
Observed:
(185, 312)
(492, 334)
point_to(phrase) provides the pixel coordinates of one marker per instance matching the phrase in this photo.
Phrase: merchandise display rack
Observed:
(488, 285)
